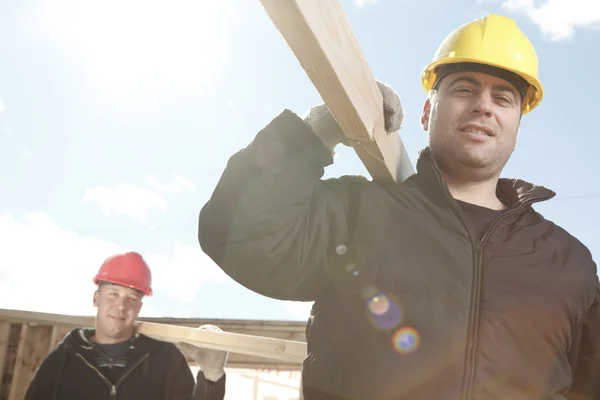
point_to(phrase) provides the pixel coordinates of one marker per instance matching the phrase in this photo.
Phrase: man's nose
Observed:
(121, 303)
(483, 105)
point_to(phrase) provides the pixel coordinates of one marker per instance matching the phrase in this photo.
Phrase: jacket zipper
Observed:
(113, 388)
(467, 387)
(476, 290)
(141, 360)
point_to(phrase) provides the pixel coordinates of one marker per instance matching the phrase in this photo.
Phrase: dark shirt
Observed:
(111, 359)
(479, 217)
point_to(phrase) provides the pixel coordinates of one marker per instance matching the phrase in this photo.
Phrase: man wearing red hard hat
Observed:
(113, 361)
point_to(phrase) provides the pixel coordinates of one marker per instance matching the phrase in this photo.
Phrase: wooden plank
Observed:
(233, 342)
(287, 330)
(284, 328)
(54, 337)
(320, 36)
(25, 317)
(266, 347)
(4, 342)
(16, 373)
(11, 356)
(34, 345)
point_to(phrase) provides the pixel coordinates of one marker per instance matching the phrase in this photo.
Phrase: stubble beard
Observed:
(463, 164)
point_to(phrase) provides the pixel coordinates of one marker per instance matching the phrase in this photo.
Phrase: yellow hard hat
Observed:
(493, 40)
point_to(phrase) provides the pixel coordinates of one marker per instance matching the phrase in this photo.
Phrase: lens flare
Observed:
(406, 340)
(379, 305)
(384, 311)
(351, 268)
(341, 249)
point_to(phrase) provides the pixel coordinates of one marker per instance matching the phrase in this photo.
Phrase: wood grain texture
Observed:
(4, 344)
(34, 346)
(286, 350)
(320, 36)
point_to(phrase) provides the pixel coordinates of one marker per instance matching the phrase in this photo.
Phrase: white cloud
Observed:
(125, 199)
(361, 3)
(136, 202)
(558, 19)
(175, 185)
(182, 271)
(46, 268)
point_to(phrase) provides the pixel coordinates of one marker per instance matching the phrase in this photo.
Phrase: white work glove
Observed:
(211, 362)
(326, 128)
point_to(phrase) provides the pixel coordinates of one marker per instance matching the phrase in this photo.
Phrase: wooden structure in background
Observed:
(24, 344)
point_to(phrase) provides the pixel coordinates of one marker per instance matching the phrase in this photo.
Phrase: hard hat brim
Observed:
(146, 291)
(531, 101)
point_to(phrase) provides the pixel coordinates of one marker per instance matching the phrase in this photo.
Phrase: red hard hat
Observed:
(126, 269)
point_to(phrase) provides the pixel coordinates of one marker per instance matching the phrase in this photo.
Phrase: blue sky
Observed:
(117, 118)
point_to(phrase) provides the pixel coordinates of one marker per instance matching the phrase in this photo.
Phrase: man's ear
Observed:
(425, 114)
(96, 294)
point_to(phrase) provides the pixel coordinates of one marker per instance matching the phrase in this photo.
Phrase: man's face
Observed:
(473, 122)
(118, 308)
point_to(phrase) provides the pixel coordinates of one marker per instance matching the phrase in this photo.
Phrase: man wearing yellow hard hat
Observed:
(448, 286)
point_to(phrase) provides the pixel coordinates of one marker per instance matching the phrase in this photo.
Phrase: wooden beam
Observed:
(34, 345)
(279, 349)
(287, 330)
(55, 337)
(4, 344)
(14, 337)
(266, 347)
(320, 36)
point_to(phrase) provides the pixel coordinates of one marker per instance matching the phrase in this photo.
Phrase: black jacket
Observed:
(510, 313)
(155, 370)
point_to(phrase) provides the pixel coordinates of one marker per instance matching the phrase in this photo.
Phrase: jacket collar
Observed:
(513, 192)
(79, 338)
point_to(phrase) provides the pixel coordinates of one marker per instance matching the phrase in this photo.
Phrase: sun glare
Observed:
(134, 42)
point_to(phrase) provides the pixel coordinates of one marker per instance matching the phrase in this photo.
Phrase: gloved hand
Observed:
(327, 129)
(211, 362)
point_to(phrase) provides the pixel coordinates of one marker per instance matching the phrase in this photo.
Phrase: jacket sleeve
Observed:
(586, 372)
(272, 224)
(209, 390)
(42, 386)
(181, 387)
